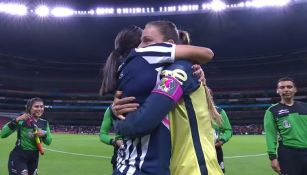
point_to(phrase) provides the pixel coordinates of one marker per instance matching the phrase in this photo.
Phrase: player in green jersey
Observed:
(223, 132)
(31, 130)
(285, 124)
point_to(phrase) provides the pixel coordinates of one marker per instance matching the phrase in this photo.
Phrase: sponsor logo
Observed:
(283, 111)
(179, 74)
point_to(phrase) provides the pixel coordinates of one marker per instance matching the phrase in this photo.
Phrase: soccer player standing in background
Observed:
(285, 124)
(223, 134)
(24, 157)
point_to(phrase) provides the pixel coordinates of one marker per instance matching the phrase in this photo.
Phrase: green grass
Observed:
(55, 163)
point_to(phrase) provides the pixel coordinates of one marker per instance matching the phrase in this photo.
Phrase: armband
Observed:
(169, 86)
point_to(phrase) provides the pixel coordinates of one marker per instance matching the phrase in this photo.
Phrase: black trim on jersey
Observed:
(154, 54)
(18, 141)
(195, 135)
(297, 107)
(13, 125)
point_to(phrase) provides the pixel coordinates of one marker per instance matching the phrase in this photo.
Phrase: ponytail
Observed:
(214, 114)
(184, 37)
(128, 38)
(109, 73)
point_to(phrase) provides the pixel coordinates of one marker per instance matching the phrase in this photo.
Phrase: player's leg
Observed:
(220, 157)
(288, 161)
(33, 158)
(304, 162)
(17, 163)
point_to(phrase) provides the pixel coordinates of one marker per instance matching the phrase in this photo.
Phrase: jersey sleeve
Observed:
(166, 94)
(225, 129)
(47, 139)
(157, 53)
(9, 128)
(270, 134)
(105, 128)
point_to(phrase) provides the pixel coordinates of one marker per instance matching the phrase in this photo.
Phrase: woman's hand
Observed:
(124, 105)
(24, 116)
(40, 133)
(119, 143)
(199, 72)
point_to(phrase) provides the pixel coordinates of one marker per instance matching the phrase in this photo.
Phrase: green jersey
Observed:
(25, 133)
(224, 131)
(286, 124)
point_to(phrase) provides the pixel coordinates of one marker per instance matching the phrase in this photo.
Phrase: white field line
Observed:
(243, 156)
(77, 154)
(106, 157)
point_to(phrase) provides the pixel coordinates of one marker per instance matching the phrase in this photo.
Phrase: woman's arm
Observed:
(11, 126)
(162, 99)
(8, 129)
(105, 128)
(47, 139)
(196, 54)
(168, 53)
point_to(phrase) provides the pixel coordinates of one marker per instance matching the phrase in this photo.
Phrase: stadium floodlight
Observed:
(104, 11)
(268, 3)
(62, 12)
(206, 6)
(217, 5)
(185, 8)
(241, 4)
(91, 12)
(168, 9)
(42, 11)
(14, 9)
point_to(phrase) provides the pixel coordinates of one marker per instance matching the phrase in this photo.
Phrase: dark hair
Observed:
(167, 29)
(127, 39)
(184, 37)
(30, 103)
(286, 79)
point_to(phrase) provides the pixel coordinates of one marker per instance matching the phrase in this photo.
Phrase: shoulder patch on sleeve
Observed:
(169, 86)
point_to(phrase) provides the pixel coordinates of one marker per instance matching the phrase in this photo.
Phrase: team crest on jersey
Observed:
(283, 111)
(167, 85)
(286, 124)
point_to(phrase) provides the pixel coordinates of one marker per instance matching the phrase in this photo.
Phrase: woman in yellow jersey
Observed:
(192, 135)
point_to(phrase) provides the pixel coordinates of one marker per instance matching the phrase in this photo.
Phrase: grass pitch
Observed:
(86, 155)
